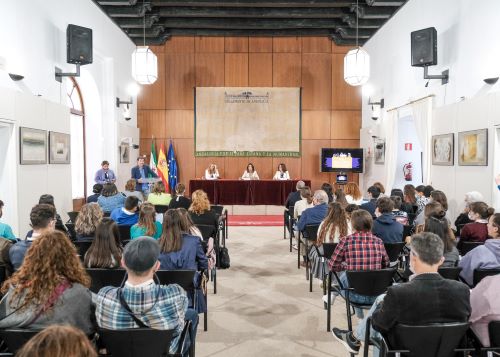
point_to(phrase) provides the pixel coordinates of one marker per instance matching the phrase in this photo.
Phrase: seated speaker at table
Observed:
(250, 173)
(212, 173)
(282, 173)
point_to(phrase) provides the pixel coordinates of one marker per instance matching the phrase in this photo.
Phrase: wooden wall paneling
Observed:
(260, 69)
(293, 165)
(184, 155)
(260, 44)
(316, 81)
(180, 44)
(310, 162)
(236, 69)
(151, 123)
(287, 70)
(316, 124)
(144, 149)
(344, 96)
(345, 124)
(336, 143)
(209, 69)
(236, 44)
(179, 124)
(233, 169)
(202, 164)
(316, 44)
(180, 80)
(287, 44)
(340, 49)
(208, 44)
(153, 96)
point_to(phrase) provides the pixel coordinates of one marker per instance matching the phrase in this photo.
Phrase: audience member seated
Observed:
(476, 231)
(5, 230)
(385, 225)
(49, 200)
(463, 218)
(50, 287)
(409, 199)
(421, 199)
(335, 225)
(292, 198)
(200, 211)
(329, 191)
(127, 215)
(131, 191)
(250, 173)
(211, 173)
(427, 298)
(140, 302)
(147, 225)
(485, 307)
(158, 195)
(399, 215)
(436, 223)
(380, 187)
(315, 214)
(105, 251)
(304, 203)
(353, 194)
(58, 341)
(110, 198)
(371, 205)
(360, 250)
(282, 173)
(340, 198)
(179, 200)
(485, 256)
(43, 220)
(97, 190)
(87, 220)
(188, 225)
(435, 196)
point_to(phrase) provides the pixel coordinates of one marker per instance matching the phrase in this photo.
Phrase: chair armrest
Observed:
(186, 331)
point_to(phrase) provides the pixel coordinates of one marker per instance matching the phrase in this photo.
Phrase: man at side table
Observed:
(140, 173)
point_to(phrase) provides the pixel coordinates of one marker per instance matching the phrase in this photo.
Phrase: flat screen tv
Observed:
(341, 160)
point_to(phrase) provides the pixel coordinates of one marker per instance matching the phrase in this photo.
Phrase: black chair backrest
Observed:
(328, 249)
(144, 342)
(311, 231)
(218, 209)
(393, 250)
(451, 273)
(433, 340)
(124, 230)
(494, 332)
(105, 277)
(161, 208)
(370, 282)
(206, 230)
(480, 274)
(466, 247)
(3, 274)
(106, 214)
(72, 216)
(82, 248)
(71, 230)
(185, 278)
(16, 338)
(407, 231)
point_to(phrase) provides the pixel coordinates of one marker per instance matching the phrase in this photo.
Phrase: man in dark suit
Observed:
(371, 205)
(292, 198)
(427, 298)
(141, 172)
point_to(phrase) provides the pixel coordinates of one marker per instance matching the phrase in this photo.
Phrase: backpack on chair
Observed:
(224, 261)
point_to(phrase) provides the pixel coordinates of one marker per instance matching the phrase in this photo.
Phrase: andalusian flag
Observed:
(153, 161)
(162, 167)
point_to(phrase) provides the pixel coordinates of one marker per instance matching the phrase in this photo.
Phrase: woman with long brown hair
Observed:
(50, 287)
(147, 224)
(131, 191)
(86, 223)
(340, 198)
(331, 229)
(105, 251)
(353, 194)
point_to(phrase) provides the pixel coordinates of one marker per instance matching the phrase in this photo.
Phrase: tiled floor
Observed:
(263, 306)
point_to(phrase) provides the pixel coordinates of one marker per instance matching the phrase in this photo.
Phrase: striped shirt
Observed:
(359, 251)
(161, 307)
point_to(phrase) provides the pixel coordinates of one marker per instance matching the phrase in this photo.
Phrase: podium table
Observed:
(243, 192)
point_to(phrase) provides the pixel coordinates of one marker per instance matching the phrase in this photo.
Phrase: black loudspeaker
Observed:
(78, 45)
(424, 47)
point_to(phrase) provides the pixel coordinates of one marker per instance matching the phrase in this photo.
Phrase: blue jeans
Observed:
(191, 315)
(360, 331)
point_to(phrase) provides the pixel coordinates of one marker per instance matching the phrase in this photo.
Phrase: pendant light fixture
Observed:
(144, 61)
(357, 62)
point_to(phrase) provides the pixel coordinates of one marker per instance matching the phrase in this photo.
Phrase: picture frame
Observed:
(473, 148)
(32, 146)
(124, 153)
(59, 148)
(379, 151)
(443, 150)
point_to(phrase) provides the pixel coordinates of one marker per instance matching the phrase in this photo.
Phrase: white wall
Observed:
(465, 30)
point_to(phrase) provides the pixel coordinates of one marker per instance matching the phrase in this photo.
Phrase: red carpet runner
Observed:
(255, 220)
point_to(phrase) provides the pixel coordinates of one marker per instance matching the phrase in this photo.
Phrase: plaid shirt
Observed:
(359, 251)
(165, 314)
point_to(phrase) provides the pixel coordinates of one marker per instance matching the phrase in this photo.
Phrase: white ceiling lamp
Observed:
(357, 62)
(144, 62)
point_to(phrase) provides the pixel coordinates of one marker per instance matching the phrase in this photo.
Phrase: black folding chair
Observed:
(218, 209)
(291, 222)
(466, 247)
(394, 250)
(73, 215)
(480, 274)
(124, 230)
(494, 335)
(105, 277)
(451, 273)
(82, 247)
(15, 339)
(207, 232)
(310, 235)
(328, 249)
(71, 230)
(161, 208)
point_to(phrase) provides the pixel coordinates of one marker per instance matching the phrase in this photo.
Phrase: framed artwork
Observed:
(33, 146)
(59, 148)
(379, 151)
(124, 153)
(443, 149)
(473, 148)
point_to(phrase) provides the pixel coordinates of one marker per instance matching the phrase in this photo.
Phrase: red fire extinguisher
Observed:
(407, 171)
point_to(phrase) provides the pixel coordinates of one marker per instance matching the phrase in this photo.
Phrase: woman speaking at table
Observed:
(250, 173)
(282, 173)
(212, 173)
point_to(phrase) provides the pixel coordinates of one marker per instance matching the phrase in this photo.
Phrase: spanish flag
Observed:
(162, 167)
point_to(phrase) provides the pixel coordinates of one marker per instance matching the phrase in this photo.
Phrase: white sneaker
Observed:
(295, 246)
(332, 298)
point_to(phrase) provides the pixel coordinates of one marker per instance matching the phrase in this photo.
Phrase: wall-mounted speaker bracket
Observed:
(444, 76)
(59, 73)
